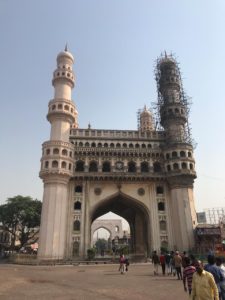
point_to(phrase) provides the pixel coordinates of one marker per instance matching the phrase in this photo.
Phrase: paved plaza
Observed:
(87, 282)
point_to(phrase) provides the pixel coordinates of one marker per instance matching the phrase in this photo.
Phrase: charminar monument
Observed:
(145, 176)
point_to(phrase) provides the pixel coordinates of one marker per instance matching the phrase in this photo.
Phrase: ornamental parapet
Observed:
(119, 177)
(54, 171)
(181, 181)
(118, 134)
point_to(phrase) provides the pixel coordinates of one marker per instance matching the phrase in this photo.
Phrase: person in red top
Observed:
(162, 260)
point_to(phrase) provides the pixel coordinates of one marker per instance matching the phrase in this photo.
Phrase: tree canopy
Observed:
(19, 216)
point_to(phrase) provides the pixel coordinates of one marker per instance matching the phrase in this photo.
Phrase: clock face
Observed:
(119, 165)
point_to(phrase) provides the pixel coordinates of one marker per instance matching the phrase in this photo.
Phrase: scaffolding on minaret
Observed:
(183, 97)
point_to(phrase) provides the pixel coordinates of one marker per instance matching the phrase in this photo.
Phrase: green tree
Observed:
(101, 245)
(19, 216)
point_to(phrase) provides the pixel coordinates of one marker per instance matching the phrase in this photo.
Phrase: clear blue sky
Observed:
(115, 44)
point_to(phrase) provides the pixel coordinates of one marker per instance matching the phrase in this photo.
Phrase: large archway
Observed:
(134, 212)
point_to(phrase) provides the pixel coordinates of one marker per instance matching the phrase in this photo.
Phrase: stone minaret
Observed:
(146, 120)
(178, 150)
(57, 161)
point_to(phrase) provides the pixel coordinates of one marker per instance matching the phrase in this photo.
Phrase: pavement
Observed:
(84, 282)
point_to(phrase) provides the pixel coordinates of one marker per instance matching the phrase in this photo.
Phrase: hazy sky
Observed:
(115, 44)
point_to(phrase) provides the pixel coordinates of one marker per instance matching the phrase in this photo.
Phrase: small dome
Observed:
(145, 112)
(65, 54)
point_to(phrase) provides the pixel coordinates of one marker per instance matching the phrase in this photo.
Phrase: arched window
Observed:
(182, 154)
(48, 151)
(111, 145)
(137, 146)
(93, 145)
(64, 152)
(167, 155)
(80, 144)
(106, 166)
(54, 164)
(76, 225)
(124, 145)
(161, 206)
(175, 166)
(157, 167)
(149, 146)
(159, 190)
(78, 189)
(131, 146)
(106, 145)
(63, 165)
(118, 145)
(191, 166)
(77, 205)
(46, 164)
(79, 166)
(162, 225)
(131, 167)
(143, 146)
(99, 145)
(189, 154)
(174, 154)
(144, 167)
(93, 167)
(87, 144)
(76, 247)
(184, 165)
(168, 168)
(55, 151)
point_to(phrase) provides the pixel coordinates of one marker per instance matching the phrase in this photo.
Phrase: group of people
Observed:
(201, 282)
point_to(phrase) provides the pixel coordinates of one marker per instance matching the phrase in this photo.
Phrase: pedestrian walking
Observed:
(220, 265)
(122, 264)
(162, 261)
(155, 261)
(178, 265)
(215, 271)
(168, 260)
(188, 273)
(203, 285)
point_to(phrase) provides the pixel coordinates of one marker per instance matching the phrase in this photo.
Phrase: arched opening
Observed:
(162, 225)
(79, 166)
(174, 154)
(101, 241)
(144, 167)
(93, 167)
(76, 225)
(159, 190)
(78, 189)
(131, 167)
(106, 166)
(182, 154)
(135, 213)
(77, 205)
(76, 247)
(161, 206)
(157, 167)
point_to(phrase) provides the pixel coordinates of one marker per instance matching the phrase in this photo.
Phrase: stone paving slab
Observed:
(94, 282)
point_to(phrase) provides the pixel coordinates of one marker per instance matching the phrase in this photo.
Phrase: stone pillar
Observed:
(53, 220)
(183, 216)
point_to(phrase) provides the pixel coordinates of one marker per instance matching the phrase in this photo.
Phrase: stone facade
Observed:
(145, 176)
